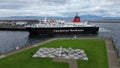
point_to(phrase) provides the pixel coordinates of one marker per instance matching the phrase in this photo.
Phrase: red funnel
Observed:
(76, 19)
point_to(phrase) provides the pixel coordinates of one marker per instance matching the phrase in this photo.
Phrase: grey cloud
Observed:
(59, 7)
(18, 4)
(56, 1)
(13, 4)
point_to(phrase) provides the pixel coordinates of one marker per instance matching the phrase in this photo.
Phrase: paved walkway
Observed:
(113, 60)
(72, 62)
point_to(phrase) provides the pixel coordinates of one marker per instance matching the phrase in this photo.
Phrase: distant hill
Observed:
(92, 18)
(81, 16)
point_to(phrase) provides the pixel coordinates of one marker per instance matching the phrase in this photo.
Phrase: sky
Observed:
(64, 8)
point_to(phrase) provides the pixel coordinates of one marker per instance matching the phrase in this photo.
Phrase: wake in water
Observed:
(104, 30)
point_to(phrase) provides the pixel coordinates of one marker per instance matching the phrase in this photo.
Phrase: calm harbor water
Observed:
(10, 40)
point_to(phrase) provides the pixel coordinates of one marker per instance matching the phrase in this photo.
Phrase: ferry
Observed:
(53, 26)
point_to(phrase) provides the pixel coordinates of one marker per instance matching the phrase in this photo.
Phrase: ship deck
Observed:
(56, 25)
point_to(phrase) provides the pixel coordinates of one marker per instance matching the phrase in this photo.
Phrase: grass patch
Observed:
(94, 49)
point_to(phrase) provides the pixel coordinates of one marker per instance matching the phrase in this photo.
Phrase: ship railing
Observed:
(30, 25)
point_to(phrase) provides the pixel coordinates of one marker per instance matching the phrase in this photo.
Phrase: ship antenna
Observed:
(76, 14)
(45, 20)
